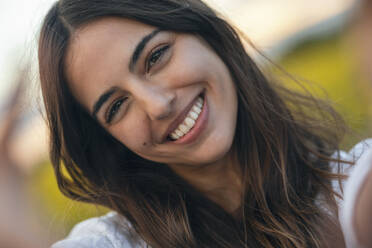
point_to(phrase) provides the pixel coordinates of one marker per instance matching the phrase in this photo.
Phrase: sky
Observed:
(266, 22)
(19, 22)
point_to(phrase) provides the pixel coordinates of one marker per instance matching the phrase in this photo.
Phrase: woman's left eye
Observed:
(155, 56)
(114, 109)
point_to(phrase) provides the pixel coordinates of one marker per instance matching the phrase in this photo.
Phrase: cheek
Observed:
(186, 71)
(190, 63)
(134, 134)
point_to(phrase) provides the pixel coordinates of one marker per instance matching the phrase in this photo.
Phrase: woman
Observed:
(156, 111)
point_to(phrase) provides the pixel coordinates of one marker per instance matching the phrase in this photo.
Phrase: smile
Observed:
(190, 120)
(191, 123)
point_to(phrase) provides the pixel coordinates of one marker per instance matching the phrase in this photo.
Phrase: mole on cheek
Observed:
(144, 144)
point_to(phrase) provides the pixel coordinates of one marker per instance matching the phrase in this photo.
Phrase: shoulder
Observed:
(108, 231)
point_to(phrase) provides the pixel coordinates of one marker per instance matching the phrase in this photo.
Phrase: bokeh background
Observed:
(324, 42)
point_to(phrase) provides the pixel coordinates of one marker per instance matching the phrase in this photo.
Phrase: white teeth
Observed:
(174, 136)
(183, 128)
(193, 115)
(179, 133)
(196, 109)
(189, 121)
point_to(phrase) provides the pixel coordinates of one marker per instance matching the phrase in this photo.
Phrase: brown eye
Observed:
(115, 107)
(155, 56)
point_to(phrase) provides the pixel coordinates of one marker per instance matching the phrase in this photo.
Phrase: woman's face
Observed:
(166, 96)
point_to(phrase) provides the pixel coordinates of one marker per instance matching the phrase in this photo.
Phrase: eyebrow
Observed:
(133, 60)
(102, 99)
(139, 48)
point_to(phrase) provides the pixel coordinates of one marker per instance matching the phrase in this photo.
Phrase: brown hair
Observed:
(283, 142)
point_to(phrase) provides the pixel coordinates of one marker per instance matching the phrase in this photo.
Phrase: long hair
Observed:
(283, 143)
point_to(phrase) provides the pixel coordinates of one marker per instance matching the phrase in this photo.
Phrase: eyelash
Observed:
(157, 54)
(114, 109)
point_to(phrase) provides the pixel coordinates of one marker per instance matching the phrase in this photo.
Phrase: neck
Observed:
(220, 181)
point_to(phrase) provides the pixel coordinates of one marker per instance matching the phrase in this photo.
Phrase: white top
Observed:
(353, 186)
(101, 232)
(104, 231)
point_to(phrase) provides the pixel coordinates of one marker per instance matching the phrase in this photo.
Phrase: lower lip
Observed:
(199, 126)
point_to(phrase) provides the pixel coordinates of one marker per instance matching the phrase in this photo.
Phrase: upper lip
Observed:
(179, 119)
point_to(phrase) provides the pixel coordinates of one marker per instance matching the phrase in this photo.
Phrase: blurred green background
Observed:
(330, 64)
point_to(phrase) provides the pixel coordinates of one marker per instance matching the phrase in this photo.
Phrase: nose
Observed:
(157, 102)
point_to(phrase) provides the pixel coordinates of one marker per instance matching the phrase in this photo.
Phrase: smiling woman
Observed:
(156, 111)
(160, 88)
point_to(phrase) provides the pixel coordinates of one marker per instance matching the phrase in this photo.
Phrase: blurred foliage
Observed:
(327, 62)
(61, 213)
(327, 65)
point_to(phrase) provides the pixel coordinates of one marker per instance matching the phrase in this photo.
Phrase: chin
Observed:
(214, 155)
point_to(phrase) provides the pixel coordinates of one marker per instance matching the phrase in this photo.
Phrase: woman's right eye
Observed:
(114, 109)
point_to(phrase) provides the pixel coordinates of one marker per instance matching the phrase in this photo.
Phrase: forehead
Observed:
(97, 51)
